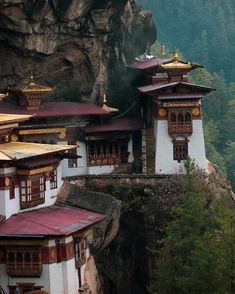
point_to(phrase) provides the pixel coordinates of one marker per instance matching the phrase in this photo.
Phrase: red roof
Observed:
(158, 86)
(148, 63)
(49, 221)
(120, 124)
(56, 109)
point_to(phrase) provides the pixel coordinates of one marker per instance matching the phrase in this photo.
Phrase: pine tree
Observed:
(198, 251)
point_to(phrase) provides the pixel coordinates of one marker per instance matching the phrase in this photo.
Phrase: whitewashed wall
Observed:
(165, 164)
(8, 206)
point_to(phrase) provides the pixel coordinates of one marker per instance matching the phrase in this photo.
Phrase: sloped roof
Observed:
(149, 63)
(12, 118)
(49, 221)
(56, 109)
(21, 150)
(158, 86)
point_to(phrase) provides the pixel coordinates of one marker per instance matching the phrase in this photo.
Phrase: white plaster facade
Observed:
(83, 168)
(56, 278)
(8, 206)
(164, 162)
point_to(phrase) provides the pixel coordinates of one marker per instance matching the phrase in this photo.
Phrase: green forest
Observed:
(204, 30)
(180, 24)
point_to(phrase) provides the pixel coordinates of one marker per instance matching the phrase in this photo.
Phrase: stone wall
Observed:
(100, 181)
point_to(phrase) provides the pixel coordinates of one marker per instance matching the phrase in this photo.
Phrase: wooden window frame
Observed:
(32, 190)
(12, 187)
(54, 178)
(20, 267)
(103, 152)
(180, 149)
(80, 247)
(177, 126)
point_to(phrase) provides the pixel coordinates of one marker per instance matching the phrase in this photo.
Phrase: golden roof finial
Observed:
(31, 80)
(163, 50)
(176, 55)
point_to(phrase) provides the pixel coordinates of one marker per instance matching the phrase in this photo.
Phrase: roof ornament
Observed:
(31, 80)
(106, 107)
(176, 55)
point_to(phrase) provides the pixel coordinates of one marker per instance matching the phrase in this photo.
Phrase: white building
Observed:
(42, 245)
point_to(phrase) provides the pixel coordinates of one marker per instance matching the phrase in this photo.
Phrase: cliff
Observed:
(72, 45)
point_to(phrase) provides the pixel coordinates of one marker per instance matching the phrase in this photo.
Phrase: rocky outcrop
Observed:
(72, 45)
(105, 231)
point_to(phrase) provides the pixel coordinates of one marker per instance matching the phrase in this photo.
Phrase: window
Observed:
(53, 178)
(12, 188)
(80, 252)
(23, 261)
(32, 191)
(180, 121)
(180, 149)
(22, 288)
(105, 152)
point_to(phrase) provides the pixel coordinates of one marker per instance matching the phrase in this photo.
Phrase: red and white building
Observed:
(42, 245)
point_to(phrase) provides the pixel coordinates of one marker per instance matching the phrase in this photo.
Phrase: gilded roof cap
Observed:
(175, 63)
(32, 87)
(106, 107)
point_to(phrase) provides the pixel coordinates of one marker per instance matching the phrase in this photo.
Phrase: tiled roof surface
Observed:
(49, 221)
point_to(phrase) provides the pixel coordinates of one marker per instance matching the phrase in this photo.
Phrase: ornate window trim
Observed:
(180, 121)
(32, 190)
(180, 149)
(103, 152)
(24, 261)
(53, 178)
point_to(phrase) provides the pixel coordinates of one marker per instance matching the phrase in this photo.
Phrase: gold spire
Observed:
(163, 50)
(32, 81)
(106, 107)
(176, 63)
(176, 55)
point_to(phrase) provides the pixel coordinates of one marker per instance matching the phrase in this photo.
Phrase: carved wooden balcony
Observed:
(180, 128)
(102, 159)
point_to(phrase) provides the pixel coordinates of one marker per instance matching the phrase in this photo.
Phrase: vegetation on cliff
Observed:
(198, 252)
(175, 235)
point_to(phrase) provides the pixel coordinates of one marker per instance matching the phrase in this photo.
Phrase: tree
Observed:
(199, 244)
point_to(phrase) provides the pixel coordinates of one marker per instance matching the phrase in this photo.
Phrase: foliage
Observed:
(208, 40)
(198, 253)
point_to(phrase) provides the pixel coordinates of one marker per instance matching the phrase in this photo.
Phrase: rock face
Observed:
(72, 45)
(105, 231)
